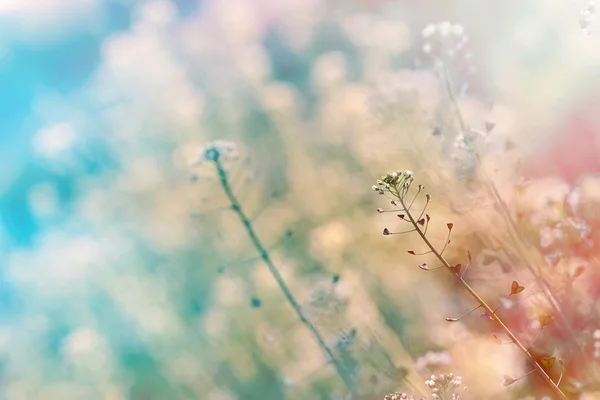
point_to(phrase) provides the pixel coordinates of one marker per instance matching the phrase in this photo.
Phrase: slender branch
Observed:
(486, 307)
(266, 258)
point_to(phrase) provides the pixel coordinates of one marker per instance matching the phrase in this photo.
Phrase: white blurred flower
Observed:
(458, 30)
(445, 28)
(432, 360)
(329, 70)
(429, 30)
(54, 140)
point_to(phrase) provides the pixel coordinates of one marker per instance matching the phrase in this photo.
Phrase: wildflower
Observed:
(443, 387)
(399, 396)
(429, 30)
(398, 181)
(444, 37)
(216, 151)
(587, 14)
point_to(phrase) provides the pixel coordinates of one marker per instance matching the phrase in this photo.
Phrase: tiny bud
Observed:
(545, 320)
(424, 267)
(578, 271)
(386, 231)
(421, 187)
(516, 288)
(380, 210)
(375, 188)
(450, 225)
(428, 196)
(548, 362)
(509, 380)
(456, 268)
(255, 302)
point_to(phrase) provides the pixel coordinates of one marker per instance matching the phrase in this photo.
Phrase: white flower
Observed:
(445, 28)
(458, 29)
(429, 30)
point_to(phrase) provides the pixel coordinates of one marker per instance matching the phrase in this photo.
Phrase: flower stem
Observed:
(266, 258)
(484, 305)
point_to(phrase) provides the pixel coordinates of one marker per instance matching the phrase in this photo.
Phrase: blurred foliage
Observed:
(126, 274)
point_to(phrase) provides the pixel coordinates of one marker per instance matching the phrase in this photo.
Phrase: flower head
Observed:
(216, 151)
(399, 396)
(396, 181)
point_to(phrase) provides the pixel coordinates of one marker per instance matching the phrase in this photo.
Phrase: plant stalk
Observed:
(483, 304)
(266, 258)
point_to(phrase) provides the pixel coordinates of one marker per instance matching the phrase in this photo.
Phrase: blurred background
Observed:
(124, 272)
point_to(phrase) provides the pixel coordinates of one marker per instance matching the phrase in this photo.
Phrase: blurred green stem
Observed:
(266, 258)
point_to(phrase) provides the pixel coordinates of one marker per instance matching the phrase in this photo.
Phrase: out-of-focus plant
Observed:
(222, 152)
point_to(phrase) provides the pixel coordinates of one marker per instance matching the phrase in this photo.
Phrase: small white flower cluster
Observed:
(444, 386)
(399, 396)
(587, 14)
(444, 40)
(216, 151)
(596, 336)
(399, 180)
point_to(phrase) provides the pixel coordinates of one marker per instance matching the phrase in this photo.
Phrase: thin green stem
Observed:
(485, 306)
(266, 258)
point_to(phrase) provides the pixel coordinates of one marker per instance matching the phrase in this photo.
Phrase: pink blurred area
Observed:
(572, 151)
